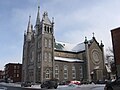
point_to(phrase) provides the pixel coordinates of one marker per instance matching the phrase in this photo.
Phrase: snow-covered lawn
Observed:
(61, 87)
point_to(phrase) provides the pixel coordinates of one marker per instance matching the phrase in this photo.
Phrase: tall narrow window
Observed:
(45, 28)
(47, 75)
(45, 42)
(32, 56)
(45, 56)
(50, 57)
(73, 72)
(65, 72)
(57, 72)
(49, 44)
(81, 72)
(48, 29)
(39, 56)
(38, 44)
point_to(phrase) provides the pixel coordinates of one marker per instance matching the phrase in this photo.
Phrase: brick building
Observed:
(116, 47)
(1, 74)
(13, 72)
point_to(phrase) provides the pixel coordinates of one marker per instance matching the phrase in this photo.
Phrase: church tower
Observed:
(44, 43)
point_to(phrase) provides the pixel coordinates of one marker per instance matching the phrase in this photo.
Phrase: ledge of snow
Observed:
(67, 59)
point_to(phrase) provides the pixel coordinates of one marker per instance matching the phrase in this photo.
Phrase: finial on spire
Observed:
(29, 25)
(101, 44)
(38, 16)
(29, 18)
(86, 41)
(93, 34)
(53, 20)
(38, 3)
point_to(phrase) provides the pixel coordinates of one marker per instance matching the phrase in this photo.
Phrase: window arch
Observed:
(45, 56)
(65, 72)
(81, 72)
(48, 29)
(50, 57)
(45, 28)
(47, 74)
(49, 43)
(73, 72)
(56, 71)
(46, 42)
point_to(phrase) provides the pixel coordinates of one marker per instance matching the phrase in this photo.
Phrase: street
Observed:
(9, 86)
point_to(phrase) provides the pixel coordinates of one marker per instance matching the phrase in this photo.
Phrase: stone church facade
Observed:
(45, 58)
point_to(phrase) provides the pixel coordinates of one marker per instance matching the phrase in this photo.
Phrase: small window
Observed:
(81, 72)
(45, 28)
(48, 29)
(50, 43)
(45, 42)
(73, 72)
(17, 75)
(50, 57)
(47, 75)
(39, 56)
(65, 72)
(45, 56)
(57, 72)
(15, 67)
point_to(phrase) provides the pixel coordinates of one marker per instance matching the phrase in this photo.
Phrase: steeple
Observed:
(86, 41)
(101, 44)
(29, 25)
(38, 16)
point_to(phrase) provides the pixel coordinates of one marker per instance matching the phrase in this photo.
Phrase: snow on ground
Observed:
(64, 87)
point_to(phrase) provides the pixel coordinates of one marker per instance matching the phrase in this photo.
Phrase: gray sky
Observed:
(74, 19)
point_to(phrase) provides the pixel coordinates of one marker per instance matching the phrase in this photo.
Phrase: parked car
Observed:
(26, 84)
(50, 84)
(113, 85)
(75, 82)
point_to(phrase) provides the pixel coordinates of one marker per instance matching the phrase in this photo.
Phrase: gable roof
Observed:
(61, 46)
(69, 47)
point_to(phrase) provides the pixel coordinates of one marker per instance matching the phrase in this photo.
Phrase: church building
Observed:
(45, 58)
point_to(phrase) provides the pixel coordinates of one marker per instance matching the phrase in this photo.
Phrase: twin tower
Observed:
(37, 49)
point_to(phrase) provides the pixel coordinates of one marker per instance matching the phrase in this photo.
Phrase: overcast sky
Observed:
(74, 19)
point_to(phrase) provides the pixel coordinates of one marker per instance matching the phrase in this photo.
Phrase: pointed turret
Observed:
(38, 17)
(29, 25)
(86, 41)
(101, 44)
(29, 29)
(45, 19)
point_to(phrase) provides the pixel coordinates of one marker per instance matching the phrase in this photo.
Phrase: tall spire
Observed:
(29, 25)
(38, 16)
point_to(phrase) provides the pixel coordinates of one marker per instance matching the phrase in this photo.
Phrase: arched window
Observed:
(73, 72)
(56, 71)
(39, 57)
(48, 29)
(45, 56)
(46, 43)
(81, 72)
(47, 75)
(50, 57)
(49, 43)
(45, 28)
(65, 72)
(32, 56)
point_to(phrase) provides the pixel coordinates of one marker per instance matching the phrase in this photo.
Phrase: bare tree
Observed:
(110, 59)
